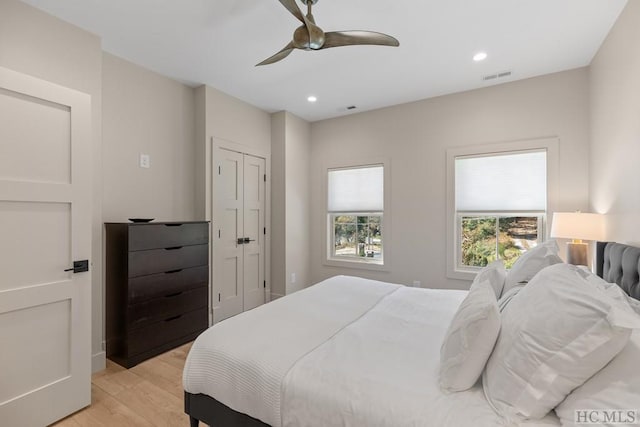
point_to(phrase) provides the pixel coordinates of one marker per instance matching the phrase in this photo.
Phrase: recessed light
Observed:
(480, 56)
(312, 98)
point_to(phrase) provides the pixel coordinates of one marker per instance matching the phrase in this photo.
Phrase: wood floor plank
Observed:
(117, 382)
(156, 405)
(162, 374)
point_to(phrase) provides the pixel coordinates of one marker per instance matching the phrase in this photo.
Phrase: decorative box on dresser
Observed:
(157, 277)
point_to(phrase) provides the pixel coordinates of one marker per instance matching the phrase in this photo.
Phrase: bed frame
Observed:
(615, 262)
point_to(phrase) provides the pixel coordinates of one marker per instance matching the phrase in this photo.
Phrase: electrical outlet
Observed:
(145, 161)
(417, 284)
(293, 277)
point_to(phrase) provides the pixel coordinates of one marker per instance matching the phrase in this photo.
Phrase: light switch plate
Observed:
(145, 161)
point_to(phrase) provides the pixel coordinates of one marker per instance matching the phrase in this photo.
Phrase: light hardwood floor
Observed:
(147, 395)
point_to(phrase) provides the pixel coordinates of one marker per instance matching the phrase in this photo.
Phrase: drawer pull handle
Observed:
(174, 248)
(173, 225)
(173, 271)
(173, 318)
(175, 294)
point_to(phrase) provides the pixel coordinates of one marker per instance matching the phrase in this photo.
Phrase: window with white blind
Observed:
(499, 204)
(355, 213)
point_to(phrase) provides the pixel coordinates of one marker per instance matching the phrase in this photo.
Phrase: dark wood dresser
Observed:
(157, 277)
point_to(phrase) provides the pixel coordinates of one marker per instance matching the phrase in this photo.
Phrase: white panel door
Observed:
(228, 221)
(253, 248)
(45, 224)
(239, 270)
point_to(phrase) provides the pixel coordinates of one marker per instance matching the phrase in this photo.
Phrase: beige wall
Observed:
(414, 137)
(298, 186)
(290, 150)
(35, 43)
(144, 112)
(615, 128)
(278, 205)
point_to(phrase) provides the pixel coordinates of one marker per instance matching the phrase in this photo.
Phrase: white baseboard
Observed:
(98, 362)
(275, 296)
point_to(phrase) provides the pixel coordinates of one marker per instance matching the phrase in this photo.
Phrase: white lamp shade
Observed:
(577, 226)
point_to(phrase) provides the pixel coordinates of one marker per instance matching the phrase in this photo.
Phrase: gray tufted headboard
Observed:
(618, 263)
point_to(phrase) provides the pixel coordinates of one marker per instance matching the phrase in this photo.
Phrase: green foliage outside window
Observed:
(357, 236)
(485, 239)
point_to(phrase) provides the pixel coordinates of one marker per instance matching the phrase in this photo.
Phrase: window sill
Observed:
(357, 264)
(461, 274)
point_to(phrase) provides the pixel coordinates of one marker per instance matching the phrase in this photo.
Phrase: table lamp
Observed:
(577, 226)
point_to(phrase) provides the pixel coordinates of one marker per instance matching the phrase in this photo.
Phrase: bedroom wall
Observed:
(144, 112)
(615, 128)
(298, 161)
(229, 119)
(35, 43)
(278, 205)
(414, 137)
(290, 160)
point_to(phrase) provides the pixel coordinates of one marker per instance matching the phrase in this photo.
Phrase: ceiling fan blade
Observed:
(278, 56)
(294, 9)
(349, 38)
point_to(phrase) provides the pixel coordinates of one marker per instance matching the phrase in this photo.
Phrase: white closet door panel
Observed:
(254, 211)
(228, 221)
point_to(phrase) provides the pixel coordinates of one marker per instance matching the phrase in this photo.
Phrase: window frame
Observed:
(454, 247)
(385, 224)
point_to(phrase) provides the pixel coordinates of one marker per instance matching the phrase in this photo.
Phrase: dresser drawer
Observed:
(159, 309)
(142, 288)
(164, 260)
(173, 327)
(156, 236)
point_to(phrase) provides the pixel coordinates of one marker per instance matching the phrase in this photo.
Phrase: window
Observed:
(355, 212)
(499, 203)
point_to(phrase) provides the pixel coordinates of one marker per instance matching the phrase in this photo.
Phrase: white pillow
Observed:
(611, 289)
(495, 273)
(532, 261)
(615, 387)
(469, 339)
(506, 297)
(555, 335)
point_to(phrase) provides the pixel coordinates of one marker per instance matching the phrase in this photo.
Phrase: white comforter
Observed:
(346, 352)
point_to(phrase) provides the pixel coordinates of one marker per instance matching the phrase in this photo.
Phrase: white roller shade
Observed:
(502, 182)
(356, 190)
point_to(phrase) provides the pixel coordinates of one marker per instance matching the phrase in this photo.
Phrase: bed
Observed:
(347, 351)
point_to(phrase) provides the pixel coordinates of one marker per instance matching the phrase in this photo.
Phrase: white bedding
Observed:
(242, 361)
(345, 352)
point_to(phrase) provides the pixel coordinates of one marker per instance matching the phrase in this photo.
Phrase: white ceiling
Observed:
(218, 42)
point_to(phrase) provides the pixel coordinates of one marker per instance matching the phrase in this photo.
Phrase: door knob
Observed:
(79, 266)
(247, 240)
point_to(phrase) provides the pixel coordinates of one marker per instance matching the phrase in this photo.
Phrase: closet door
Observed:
(239, 221)
(253, 248)
(228, 220)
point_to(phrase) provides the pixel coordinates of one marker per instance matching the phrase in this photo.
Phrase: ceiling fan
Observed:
(311, 37)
